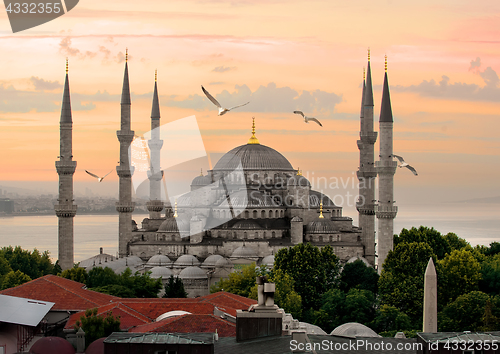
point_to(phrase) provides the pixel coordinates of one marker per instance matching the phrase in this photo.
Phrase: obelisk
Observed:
(430, 298)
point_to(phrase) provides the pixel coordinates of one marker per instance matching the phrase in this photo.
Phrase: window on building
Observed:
(3, 348)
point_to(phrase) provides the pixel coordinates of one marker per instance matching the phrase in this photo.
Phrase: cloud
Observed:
(66, 49)
(42, 85)
(223, 69)
(458, 90)
(268, 98)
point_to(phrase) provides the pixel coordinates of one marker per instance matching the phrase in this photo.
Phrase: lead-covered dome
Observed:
(201, 181)
(193, 273)
(253, 157)
(244, 252)
(186, 260)
(354, 329)
(159, 260)
(298, 180)
(320, 226)
(160, 272)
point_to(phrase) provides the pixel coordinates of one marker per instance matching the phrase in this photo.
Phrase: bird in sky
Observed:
(222, 110)
(404, 164)
(98, 178)
(307, 119)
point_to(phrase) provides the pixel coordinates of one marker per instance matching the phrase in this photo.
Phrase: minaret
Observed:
(430, 298)
(65, 209)
(125, 206)
(367, 173)
(386, 210)
(155, 175)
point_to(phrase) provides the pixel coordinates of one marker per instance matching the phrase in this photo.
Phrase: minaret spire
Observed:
(125, 206)
(386, 210)
(366, 173)
(155, 174)
(65, 209)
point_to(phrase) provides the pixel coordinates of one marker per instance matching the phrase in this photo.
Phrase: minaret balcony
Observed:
(386, 211)
(365, 208)
(155, 205)
(386, 167)
(360, 144)
(125, 207)
(65, 167)
(155, 175)
(65, 211)
(368, 137)
(125, 136)
(155, 144)
(367, 172)
(125, 171)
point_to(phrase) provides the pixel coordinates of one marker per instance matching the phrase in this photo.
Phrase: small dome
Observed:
(363, 259)
(244, 252)
(246, 225)
(297, 219)
(51, 345)
(223, 263)
(171, 314)
(193, 273)
(201, 181)
(249, 198)
(96, 347)
(159, 260)
(268, 261)
(174, 225)
(186, 260)
(300, 181)
(160, 272)
(353, 329)
(320, 226)
(210, 261)
(315, 198)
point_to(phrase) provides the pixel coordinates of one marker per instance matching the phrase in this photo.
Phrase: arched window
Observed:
(247, 214)
(263, 214)
(274, 234)
(245, 235)
(270, 213)
(256, 234)
(255, 214)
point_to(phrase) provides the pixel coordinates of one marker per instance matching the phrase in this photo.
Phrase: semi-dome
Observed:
(96, 347)
(268, 260)
(253, 157)
(249, 198)
(51, 345)
(160, 272)
(246, 225)
(186, 260)
(320, 226)
(201, 181)
(353, 329)
(159, 260)
(174, 225)
(193, 273)
(300, 181)
(244, 252)
(315, 198)
(211, 260)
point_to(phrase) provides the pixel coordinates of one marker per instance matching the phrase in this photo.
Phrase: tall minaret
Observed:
(155, 205)
(367, 173)
(125, 206)
(65, 209)
(386, 210)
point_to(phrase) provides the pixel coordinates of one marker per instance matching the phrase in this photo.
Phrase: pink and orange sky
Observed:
(281, 55)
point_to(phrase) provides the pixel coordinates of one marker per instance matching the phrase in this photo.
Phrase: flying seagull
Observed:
(307, 119)
(215, 102)
(98, 178)
(404, 164)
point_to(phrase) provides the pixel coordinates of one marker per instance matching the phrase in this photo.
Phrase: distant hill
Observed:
(491, 200)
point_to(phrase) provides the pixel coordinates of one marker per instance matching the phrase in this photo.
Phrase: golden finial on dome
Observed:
(386, 63)
(321, 210)
(66, 65)
(364, 74)
(175, 208)
(299, 172)
(368, 53)
(201, 171)
(253, 139)
(156, 75)
(126, 54)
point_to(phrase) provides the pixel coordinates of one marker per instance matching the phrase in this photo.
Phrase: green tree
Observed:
(239, 282)
(314, 271)
(4, 268)
(115, 290)
(401, 282)
(460, 274)
(464, 313)
(142, 285)
(98, 277)
(432, 237)
(490, 275)
(455, 242)
(331, 313)
(389, 318)
(174, 288)
(360, 276)
(359, 306)
(96, 327)
(76, 274)
(32, 264)
(13, 279)
(285, 296)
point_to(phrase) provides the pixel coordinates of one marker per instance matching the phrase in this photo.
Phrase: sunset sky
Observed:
(281, 55)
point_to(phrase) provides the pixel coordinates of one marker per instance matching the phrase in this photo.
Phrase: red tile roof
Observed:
(190, 324)
(68, 295)
(157, 307)
(128, 317)
(227, 302)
